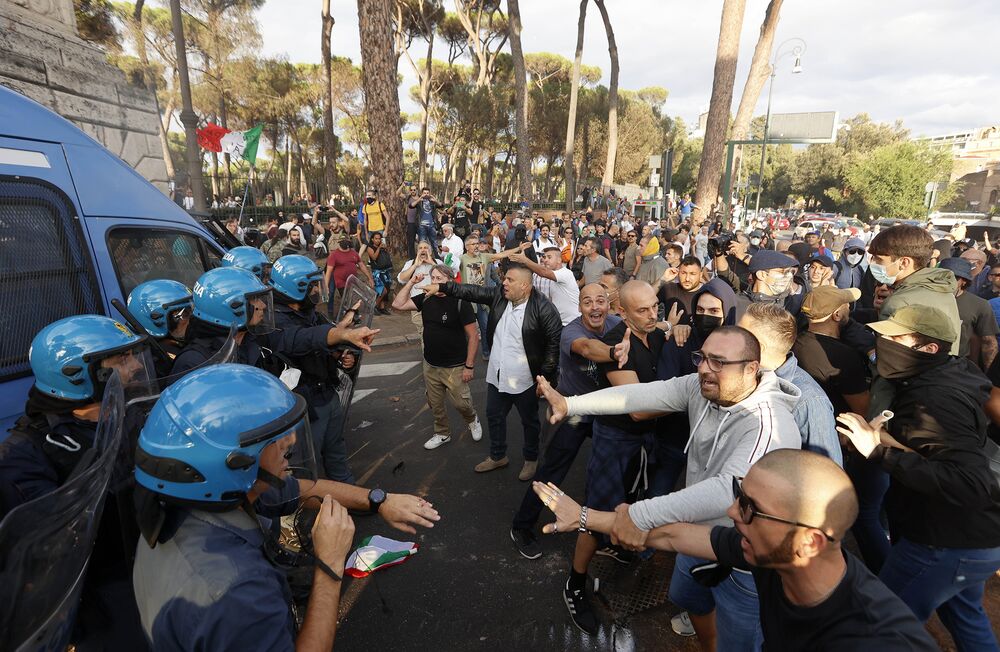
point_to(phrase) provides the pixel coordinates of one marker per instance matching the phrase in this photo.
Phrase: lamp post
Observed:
(797, 50)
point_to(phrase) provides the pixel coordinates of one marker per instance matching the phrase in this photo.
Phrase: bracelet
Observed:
(329, 571)
(583, 519)
(611, 353)
(472, 368)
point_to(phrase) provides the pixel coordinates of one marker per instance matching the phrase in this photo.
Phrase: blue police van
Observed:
(79, 228)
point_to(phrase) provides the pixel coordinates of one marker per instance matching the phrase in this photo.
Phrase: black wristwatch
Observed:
(375, 499)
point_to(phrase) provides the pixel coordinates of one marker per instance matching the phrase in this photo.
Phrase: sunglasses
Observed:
(854, 251)
(748, 510)
(715, 364)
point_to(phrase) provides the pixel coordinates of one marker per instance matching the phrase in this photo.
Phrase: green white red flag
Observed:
(236, 143)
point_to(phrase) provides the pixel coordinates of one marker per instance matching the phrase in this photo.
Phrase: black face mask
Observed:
(896, 361)
(314, 297)
(370, 200)
(345, 245)
(705, 324)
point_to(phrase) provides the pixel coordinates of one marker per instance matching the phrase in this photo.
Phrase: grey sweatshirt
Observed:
(724, 441)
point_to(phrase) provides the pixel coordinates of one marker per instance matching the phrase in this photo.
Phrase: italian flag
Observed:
(236, 143)
(378, 552)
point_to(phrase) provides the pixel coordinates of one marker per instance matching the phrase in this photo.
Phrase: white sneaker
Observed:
(476, 429)
(436, 441)
(681, 624)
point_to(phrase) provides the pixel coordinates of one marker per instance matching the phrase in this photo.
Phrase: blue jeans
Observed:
(668, 464)
(498, 405)
(328, 440)
(483, 317)
(556, 463)
(871, 483)
(950, 580)
(734, 599)
(427, 232)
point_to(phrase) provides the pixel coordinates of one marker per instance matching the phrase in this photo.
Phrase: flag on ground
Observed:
(236, 143)
(377, 552)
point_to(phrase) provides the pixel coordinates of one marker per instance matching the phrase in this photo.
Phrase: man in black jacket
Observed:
(943, 502)
(524, 329)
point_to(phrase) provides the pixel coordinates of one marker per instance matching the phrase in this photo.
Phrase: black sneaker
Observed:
(526, 543)
(623, 557)
(580, 610)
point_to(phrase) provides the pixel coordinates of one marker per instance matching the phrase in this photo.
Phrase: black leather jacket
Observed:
(540, 331)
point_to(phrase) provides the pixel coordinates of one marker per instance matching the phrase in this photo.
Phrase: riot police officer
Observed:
(249, 258)
(305, 337)
(203, 578)
(163, 308)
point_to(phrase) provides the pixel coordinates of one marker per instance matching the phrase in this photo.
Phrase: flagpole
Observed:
(246, 190)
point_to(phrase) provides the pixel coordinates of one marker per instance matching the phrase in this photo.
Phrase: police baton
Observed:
(137, 327)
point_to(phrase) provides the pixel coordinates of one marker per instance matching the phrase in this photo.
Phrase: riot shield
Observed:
(358, 293)
(45, 544)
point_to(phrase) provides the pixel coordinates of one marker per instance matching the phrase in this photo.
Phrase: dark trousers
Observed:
(427, 232)
(558, 458)
(498, 405)
(411, 239)
(871, 483)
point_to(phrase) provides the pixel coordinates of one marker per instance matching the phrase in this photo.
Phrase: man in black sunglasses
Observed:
(791, 513)
(849, 270)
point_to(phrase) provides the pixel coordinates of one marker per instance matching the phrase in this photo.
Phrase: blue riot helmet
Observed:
(160, 305)
(295, 276)
(228, 296)
(251, 259)
(74, 358)
(217, 431)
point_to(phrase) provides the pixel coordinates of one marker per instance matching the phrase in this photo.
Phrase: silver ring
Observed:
(555, 527)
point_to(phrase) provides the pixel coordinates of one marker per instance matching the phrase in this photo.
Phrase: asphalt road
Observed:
(467, 588)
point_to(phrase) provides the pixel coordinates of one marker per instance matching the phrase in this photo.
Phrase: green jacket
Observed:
(934, 288)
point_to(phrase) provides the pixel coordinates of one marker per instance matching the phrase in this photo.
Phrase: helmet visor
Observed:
(260, 312)
(291, 458)
(134, 365)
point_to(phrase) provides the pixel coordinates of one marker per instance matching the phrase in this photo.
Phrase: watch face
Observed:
(377, 496)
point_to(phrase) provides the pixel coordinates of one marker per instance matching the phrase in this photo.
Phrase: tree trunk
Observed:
(378, 76)
(329, 144)
(760, 68)
(161, 132)
(425, 114)
(521, 94)
(188, 117)
(224, 118)
(487, 189)
(574, 91)
(713, 149)
(288, 170)
(609, 165)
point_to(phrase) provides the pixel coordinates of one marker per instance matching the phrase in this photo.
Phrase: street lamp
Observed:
(797, 50)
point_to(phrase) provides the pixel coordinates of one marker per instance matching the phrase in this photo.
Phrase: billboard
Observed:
(812, 127)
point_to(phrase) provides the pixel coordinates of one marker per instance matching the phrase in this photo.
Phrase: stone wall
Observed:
(42, 57)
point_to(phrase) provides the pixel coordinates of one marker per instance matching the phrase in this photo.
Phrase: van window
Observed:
(141, 255)
(45, 269)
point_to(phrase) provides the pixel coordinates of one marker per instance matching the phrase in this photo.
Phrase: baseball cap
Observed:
(813, 232)
(766, 259)
(822, 260)
(925, 320)
(824, 300)
(960, 267)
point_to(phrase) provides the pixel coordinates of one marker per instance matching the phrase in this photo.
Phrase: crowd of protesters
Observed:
(829, 394)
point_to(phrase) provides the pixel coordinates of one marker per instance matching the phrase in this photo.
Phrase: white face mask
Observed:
(881, 274)
(854, 259)
(755, 241)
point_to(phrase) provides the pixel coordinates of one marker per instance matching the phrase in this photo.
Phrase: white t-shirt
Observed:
(563, 292)
(454, 244)
(541, 244)
(423, 268)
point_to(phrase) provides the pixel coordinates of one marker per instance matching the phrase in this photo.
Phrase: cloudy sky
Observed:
(931, 63)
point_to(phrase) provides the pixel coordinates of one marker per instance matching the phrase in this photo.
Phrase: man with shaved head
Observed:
(791, 513)
(619, 439)
(580, 352)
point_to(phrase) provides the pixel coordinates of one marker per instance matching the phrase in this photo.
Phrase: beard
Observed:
(783, 553)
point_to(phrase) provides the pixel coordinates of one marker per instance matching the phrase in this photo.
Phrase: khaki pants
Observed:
(417, 318)
(442, 381)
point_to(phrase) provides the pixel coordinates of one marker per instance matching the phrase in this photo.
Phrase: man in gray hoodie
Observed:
(738, 413)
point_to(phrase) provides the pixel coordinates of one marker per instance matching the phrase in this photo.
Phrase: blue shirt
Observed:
(425, 212)
(210, 587)
(813, 412)
(578, 375)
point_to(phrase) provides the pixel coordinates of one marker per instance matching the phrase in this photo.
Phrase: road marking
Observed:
(386, 369)
(360, 394)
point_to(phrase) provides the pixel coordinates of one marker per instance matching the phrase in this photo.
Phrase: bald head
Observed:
(805, 487)
(639, 306)
(635, 293)
(592, 291)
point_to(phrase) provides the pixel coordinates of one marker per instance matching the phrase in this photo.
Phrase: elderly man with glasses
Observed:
(738, 411)
(791, 513)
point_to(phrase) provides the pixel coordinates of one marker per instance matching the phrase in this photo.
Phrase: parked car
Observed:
(814, 224)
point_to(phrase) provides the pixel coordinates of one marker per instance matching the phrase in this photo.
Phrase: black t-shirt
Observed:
(671, 293)
(445, 319)
(477, 209)
(861, 614)
(838, 368)
(643, 361)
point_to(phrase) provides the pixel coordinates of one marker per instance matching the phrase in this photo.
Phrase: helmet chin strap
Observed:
(271, 479)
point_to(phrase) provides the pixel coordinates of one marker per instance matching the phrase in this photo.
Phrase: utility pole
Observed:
(189, 118)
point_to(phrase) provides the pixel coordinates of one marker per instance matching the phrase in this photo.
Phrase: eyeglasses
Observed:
(749, 511)
(854, 251)
(715, 364)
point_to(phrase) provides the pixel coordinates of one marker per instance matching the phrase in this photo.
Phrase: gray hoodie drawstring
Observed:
(697, 423)
(715, 441)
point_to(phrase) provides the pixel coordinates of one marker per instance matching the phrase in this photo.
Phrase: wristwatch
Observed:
(375, 499)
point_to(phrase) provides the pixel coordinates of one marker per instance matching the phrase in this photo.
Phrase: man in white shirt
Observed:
(188, 200)
(555, 281)
(544, 240)
(452, 244)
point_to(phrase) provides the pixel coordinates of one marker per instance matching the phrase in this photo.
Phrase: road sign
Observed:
(813, 127)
